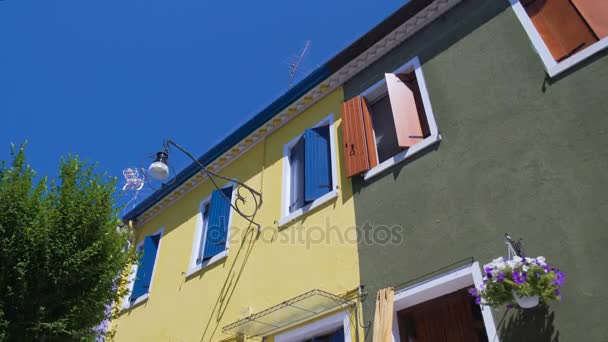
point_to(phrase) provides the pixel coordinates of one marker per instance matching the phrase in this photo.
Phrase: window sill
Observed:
(138, 301)
(215, 259)
(577, 58)
(402, 156)
(332, 195)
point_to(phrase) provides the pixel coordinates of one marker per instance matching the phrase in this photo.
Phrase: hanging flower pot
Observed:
(525, 302)
(522, 281)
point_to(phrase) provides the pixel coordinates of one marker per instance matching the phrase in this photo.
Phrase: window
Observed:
(564, 32)
(388, 123)
(309, 177)
(454, 314)
(142, 273)
(212, 228)
(440, 305)
(335, 328)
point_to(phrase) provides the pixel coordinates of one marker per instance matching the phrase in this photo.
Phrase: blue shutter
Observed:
(296, 160)
(317, 166)
(217, 226)
(143, 277)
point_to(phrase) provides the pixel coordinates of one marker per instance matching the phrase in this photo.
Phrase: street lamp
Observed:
(159, 170)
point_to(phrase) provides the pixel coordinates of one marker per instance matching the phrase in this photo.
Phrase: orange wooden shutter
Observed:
(595, 13)
(405, 111)
(358, 135)
(563, 30)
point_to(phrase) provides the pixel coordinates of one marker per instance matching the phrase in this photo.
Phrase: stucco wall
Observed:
(520, 154)
(258, 273)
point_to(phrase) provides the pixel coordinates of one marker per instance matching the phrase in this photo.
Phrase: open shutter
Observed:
(296, 162)
(595, 13)
(317, 163)
(143, 277)
(357, 132)
(217, 226)
(403, 93)
(563, 30)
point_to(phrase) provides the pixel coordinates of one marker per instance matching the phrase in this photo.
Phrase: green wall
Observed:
(520, 154)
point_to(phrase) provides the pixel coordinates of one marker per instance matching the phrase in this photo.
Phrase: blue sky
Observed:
(109, 80)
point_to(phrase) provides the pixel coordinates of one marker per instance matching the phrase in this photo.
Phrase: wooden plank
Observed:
(595, 13)
(405, 111)
(356, 156)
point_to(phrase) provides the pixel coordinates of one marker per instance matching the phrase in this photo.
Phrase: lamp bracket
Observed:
(240, 198)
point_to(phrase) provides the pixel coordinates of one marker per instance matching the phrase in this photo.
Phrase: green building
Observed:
(513, 111)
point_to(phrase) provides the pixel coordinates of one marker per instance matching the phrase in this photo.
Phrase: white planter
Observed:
(526, 302)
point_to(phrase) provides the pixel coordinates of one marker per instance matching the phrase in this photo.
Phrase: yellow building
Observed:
(289, 256)
(208, 274)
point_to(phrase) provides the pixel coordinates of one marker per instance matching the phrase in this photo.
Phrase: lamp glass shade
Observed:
(158, 170)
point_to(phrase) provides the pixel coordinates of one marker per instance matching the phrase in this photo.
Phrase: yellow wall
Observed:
(258, 273)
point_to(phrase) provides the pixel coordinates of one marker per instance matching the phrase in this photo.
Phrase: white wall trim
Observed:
(439, 286)
(378, 90)
(126, 302)
(324, 325)
(552, 67)
(286, 216)
(332, 195)
(200, 233)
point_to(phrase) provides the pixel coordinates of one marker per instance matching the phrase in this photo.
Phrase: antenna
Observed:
(293, 67)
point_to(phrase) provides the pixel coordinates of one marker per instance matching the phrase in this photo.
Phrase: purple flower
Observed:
(475, 293)
(488, 271)
(546, 268)
(560, 277)
(509, 306)
(557, 292)
(519, 277)
(501, 277)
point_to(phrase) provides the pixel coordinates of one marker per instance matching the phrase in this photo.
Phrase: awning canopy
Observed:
(290, 312)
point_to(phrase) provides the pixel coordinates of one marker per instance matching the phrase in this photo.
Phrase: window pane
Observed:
(203, 231)
(296, 160)
(384, 129)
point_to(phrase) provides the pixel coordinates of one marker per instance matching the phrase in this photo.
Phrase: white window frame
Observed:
(200, 233)
(126, 303)
(552, 67)
(439, 286)
(378, 91)
(286, 216)
(322, 326)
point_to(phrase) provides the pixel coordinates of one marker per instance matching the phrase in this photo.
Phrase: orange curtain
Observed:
(383, 320)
